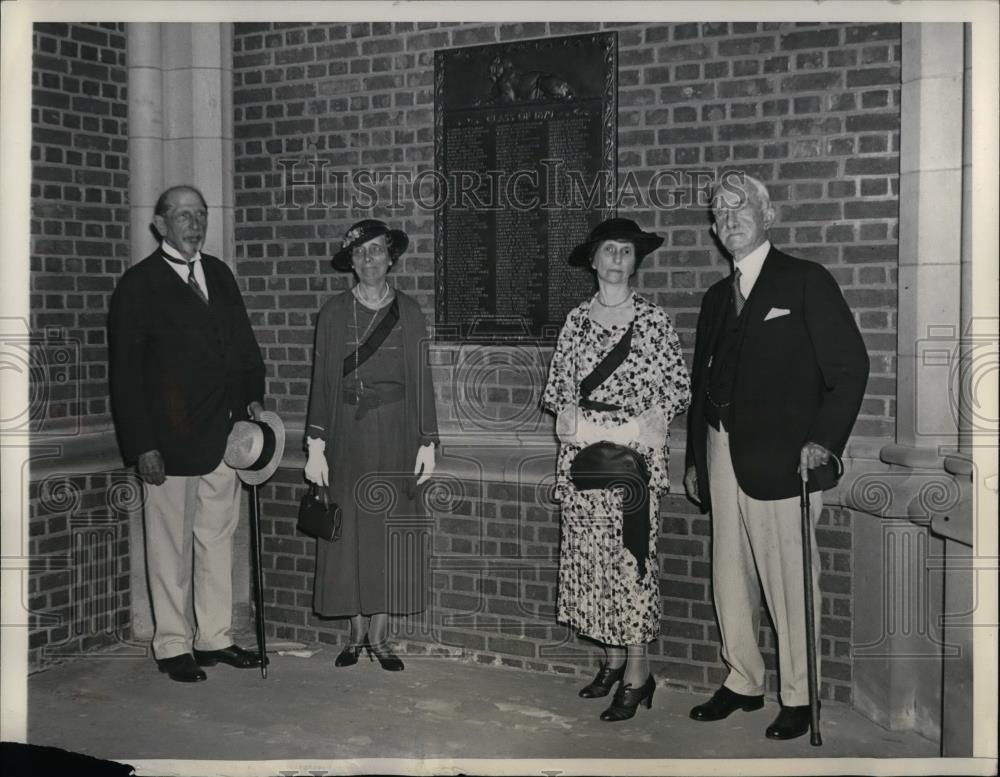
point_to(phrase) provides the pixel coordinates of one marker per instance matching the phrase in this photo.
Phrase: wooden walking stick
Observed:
(814, 735)
(258, 578)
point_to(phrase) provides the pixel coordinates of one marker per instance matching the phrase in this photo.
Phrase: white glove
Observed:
(567, 423)
(317, 470)
(622, 435)
(653, 428)
(425, 462)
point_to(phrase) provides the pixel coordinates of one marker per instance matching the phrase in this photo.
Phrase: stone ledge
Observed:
(523, 459)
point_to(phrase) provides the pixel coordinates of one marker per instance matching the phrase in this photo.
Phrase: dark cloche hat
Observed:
(367, 229)
(615, 229)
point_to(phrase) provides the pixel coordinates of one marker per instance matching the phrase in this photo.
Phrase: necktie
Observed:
(191, 280)
(193, 283)
(738, 297)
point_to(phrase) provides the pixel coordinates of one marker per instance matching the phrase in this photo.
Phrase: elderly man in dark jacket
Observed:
(185, 366)
(780, 370)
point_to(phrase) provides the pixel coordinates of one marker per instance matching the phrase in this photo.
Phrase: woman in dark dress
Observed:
(371, 433)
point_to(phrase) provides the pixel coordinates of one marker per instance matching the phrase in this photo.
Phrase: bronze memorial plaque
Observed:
(525, 156)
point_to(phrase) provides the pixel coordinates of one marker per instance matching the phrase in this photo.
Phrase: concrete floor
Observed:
(309, 713)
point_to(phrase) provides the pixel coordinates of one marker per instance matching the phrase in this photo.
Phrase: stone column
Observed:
(180, 120)
(181, 125)
(930, 235)
(902, 653)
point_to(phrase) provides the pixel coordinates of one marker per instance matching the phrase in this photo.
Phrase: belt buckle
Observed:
(367, 400)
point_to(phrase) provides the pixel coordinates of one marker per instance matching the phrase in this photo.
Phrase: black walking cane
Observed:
(258, 578)
(814, 735)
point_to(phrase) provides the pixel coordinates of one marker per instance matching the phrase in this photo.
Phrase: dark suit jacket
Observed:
(182, 372)
(800, 378)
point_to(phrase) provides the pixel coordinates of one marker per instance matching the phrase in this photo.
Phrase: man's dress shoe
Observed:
(232, 655)
(791, 722)
(182, 668)
(725, 702)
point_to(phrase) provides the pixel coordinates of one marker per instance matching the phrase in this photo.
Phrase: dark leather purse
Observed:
(318, 518)
(603, 463)
(609, 465)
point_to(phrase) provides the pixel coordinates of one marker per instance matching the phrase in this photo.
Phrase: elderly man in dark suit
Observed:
(780, 370)
(185, 366)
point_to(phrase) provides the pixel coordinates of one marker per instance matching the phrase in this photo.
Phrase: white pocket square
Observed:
(776, 313)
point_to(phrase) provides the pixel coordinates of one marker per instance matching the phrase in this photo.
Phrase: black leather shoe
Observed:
(724, 703)
(182, 668)
(627, 699)
(386, 658)
(349, 655)
(603, 682)
(791, 722)
(232, 655)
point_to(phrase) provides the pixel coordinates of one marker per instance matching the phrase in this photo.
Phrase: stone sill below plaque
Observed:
(512, 458)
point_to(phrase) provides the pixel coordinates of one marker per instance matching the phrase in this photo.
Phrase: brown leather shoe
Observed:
(724, 703)
(232, 655)
(182, 668)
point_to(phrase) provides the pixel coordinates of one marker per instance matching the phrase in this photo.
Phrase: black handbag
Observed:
(601, 464)
(609, 465)
(318, 518)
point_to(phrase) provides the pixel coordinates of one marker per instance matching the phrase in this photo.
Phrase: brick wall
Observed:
(78, 579)
(79, 217)
(79, 595)
(811, 109)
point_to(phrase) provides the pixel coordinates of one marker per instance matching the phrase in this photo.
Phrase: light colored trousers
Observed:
(190, 522)
(751, 540)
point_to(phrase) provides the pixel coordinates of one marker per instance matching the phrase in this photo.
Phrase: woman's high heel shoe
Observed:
(386, 658)
(603, 682)
(349, 655)
(627, 699)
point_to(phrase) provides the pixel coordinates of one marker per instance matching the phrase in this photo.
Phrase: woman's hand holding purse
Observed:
(317, 469)
(572, 427)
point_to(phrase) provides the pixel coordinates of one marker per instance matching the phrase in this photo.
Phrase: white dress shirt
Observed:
(182, 270)
(749, 267)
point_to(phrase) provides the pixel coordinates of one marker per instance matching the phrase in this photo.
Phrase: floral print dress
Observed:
(601, 594)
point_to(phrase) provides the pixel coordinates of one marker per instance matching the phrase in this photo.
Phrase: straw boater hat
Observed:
(254, 448)
(615, 229)
(367, 229)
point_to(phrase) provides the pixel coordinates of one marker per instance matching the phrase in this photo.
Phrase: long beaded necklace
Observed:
(359, 338)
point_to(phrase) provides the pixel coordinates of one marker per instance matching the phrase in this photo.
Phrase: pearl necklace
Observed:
(377, 303)
(616, 304)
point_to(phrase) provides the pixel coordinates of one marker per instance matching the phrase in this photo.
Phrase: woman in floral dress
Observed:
(605, 592)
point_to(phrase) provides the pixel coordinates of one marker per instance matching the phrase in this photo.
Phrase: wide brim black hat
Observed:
(360, 233)
(615, 229)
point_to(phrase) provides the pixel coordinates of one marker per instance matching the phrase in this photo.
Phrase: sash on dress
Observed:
(367, 349)
(607, 465)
